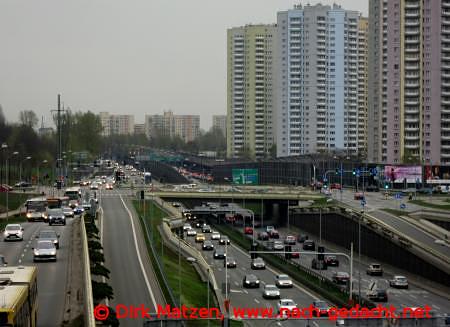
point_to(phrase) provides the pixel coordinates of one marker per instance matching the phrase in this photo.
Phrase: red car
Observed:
(5, 188)
(248, 230)
(294, 254)
(321, 308)
(335, 186)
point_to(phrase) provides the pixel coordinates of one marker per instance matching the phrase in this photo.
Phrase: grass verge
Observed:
(15, 200)
(431, 205)
(12, 220)
(194, 292)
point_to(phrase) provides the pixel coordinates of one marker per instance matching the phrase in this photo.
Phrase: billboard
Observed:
(398, 174)
(437, 174)
(245, 176)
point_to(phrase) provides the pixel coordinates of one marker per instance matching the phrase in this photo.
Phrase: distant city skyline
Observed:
(137, 58)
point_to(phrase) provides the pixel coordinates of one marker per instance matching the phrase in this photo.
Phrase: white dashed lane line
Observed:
(256, 300)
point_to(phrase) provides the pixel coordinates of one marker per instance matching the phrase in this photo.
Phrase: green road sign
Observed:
(245, 176)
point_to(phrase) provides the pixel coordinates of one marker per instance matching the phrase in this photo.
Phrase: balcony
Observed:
(412, 23)
(410, 102)
(412, 5)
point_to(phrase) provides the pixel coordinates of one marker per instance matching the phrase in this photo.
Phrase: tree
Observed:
(28, 118)
(2, 116)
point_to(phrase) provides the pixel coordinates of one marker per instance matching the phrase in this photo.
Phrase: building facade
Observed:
(116, 124)
(319, 89)
(220, 122)
(250, 51)
(139, 129)
(170, 125)
(409, 86)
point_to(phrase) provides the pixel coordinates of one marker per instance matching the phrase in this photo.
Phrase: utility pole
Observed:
(59, 168)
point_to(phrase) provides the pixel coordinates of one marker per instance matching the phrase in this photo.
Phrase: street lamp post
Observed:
(7, 181)
(20, 167)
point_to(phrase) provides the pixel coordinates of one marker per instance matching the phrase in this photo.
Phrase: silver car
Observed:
(68, 212)
(399, 282)
(13, 232)
(271, 292)
(44, 250)
(49, 235)
(258, 263)
(283, 281)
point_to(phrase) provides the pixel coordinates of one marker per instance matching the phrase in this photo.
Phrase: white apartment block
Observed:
(319, 57)
(116, 124)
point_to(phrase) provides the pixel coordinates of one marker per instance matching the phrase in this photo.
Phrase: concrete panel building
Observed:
(250, 51)
(409, 86)
(116, 124)
(170, 125)
(319, 86)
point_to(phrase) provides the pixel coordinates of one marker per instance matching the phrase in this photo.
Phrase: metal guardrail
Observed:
(89, 319)
(187, 248)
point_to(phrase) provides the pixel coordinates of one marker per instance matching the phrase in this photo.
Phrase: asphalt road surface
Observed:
(52, 276)
(132, 277)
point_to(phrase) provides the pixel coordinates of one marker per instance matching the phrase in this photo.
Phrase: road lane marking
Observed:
(413, 296)
(435, 306)
(256, 301)
(236, 283)
(279, 324)
(315, 324)
(139, 254)
(276, 273)
(245, 291)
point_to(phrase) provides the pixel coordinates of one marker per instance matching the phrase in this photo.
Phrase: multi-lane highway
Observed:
(132, 276)
(52, 276)
(241, 298)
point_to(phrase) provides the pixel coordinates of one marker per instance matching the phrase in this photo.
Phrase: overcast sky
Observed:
(131, 57)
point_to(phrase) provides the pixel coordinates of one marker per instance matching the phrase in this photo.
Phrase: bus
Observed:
(19, 292)
(57, 202)
(74, 195)
(36, 209)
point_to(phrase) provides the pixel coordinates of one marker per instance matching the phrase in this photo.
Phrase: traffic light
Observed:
(354, 171)
(338, 171)
(386, 186)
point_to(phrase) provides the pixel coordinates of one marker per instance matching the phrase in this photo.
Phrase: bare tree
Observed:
(28, 118)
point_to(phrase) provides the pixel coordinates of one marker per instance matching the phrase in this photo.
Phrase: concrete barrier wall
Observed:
(89, 319)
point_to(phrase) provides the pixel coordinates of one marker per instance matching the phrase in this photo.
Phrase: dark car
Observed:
(219, 254)
(224, 240)
(331, 260)
(56, 216)
(258, 263)
(229, 262)
(309, 245)
(207, 246)
(302, 238)
(199, 223)
(250, 281)
(377, 295)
